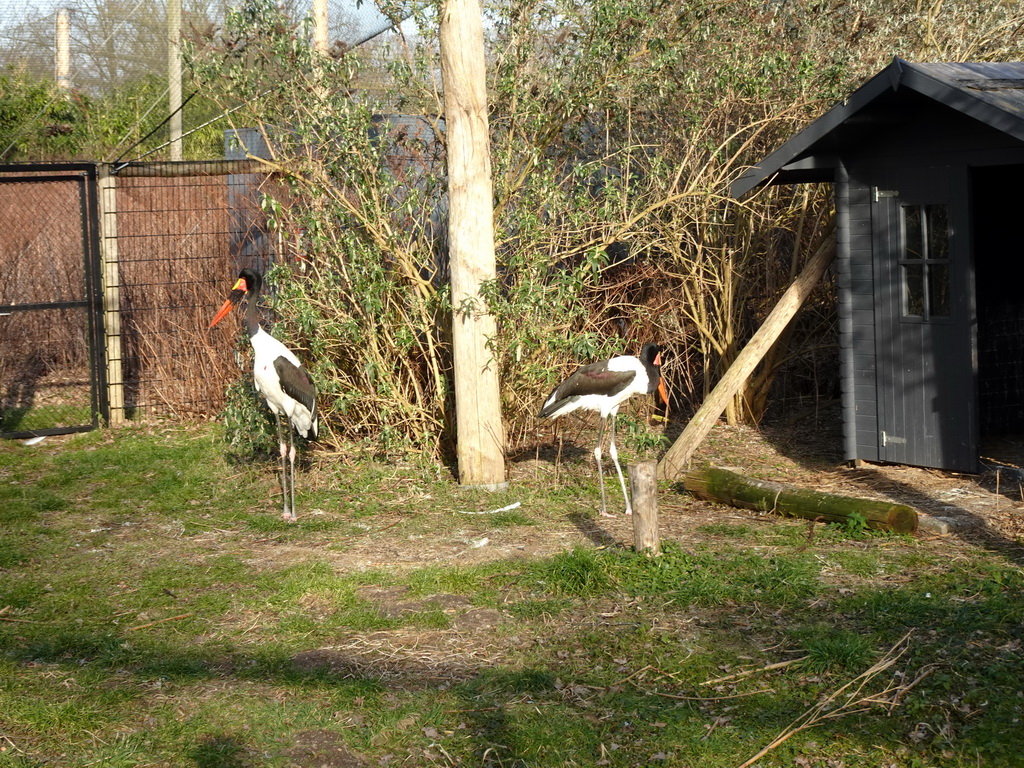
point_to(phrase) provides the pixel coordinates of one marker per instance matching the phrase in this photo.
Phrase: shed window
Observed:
(924, 266)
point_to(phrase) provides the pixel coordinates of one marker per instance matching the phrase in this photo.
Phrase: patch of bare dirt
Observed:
(387, 545)
(392, 602)
(321, 749)
(978, 510)
(409, 655)
(414, 655)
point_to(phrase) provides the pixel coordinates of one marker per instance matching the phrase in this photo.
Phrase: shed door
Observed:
(926, 367)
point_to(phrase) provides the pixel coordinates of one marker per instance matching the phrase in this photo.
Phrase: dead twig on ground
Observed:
(747, 672)
(3, 617)
(850, 698)
(713, 698)
(158, 621)
(12, 745)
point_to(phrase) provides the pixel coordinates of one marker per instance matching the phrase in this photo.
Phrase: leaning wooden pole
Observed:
(673, 463)
(480, 433)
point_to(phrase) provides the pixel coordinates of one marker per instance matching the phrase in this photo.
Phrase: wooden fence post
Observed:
(174, 103)
(643, 483)
(110, 281)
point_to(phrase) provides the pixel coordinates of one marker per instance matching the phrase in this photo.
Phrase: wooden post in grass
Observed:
(673, 463)
(480, 434)
(643, 484)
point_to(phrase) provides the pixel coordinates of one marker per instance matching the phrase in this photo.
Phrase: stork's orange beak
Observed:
(226, 307)
(237, 292)
(663, 391)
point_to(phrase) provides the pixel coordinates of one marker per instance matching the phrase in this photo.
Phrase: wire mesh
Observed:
(181, 242)
(45, 378)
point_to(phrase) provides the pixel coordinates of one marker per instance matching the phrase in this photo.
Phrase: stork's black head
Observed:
(650, 356)
(253, 280)
(247, 286)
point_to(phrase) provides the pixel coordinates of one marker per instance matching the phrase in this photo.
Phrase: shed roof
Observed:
(990, 92)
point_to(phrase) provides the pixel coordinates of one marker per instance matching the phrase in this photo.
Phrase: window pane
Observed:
(913, 290)
(913, 244)
(938, 232)
(939, 300)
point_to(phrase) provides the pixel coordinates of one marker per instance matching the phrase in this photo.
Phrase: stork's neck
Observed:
(252, 322)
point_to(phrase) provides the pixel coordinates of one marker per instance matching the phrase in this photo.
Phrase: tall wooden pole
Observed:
(320, 26)
(174, 74)
(480, 432)
(62, 64)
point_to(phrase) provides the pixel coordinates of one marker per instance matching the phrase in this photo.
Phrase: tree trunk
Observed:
(480, 434)
(674, 461)
(723, 485)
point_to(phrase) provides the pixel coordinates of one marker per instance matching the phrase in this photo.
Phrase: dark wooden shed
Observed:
(927, 162)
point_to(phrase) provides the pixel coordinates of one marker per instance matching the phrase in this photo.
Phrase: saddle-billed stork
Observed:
(280, 378)
(603, 387)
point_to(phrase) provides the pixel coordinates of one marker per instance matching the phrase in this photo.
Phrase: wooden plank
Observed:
(674, 462)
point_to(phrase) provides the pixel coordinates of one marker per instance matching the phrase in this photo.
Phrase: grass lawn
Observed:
(154, 611)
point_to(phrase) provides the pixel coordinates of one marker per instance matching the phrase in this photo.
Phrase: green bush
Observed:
(616, 128)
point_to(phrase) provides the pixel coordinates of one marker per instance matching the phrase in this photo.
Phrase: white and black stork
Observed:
(603, 387)
(279, 377)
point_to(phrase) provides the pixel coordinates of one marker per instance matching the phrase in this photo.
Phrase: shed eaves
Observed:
(990, 92)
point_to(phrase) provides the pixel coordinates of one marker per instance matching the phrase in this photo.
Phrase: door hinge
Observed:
(887, 439)
(880, 193)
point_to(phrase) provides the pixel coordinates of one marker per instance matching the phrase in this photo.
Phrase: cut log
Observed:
(729, 487)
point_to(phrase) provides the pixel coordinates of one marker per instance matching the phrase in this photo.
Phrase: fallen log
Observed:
(729, 487)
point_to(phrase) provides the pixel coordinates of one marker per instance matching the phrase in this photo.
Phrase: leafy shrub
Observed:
(616, 128)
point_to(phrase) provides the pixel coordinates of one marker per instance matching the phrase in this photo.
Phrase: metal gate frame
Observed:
(86, 174)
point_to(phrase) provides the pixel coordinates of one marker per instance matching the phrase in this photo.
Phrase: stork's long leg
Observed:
(600, 471)
(615, 458)
(283, 447)
(291, 459)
